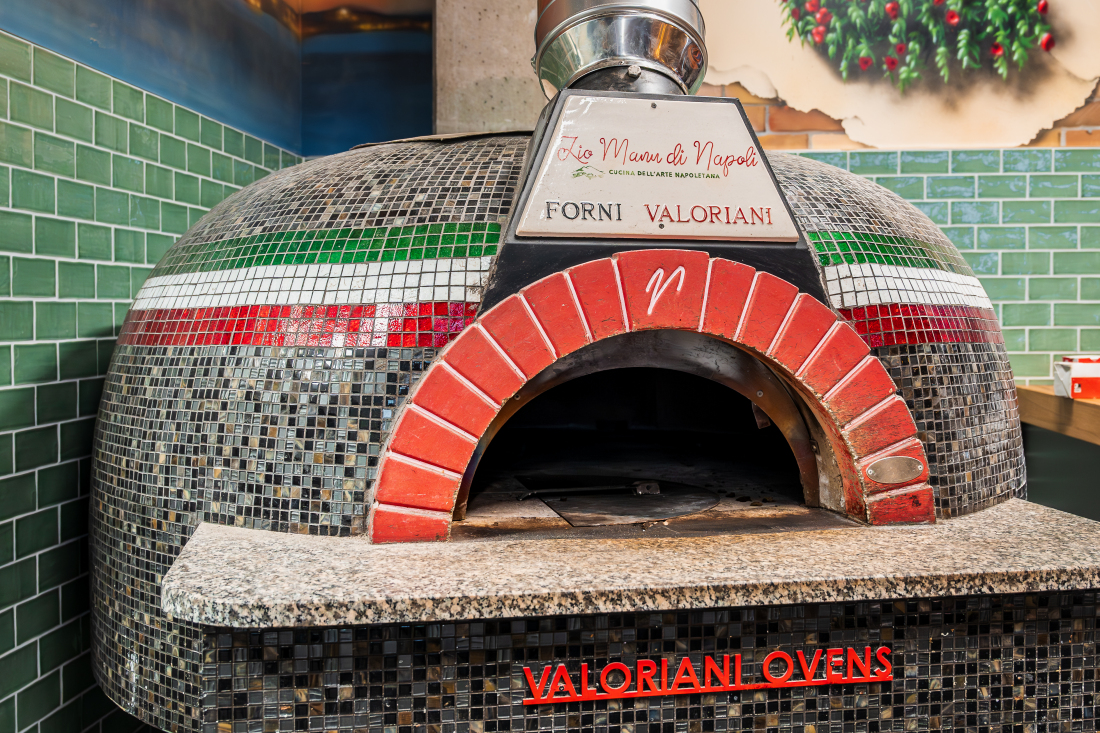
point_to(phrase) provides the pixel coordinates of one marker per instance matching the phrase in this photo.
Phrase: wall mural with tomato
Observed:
(932, 74)
(907, 40)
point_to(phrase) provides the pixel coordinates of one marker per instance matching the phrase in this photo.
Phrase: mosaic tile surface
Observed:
(964, 405)
(872, 245)
(982, 663)
(385, 244)
(266, 358)
(279, 431)
(905, 288)
(404, 184)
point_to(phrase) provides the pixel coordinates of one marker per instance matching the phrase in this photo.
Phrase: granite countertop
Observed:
(241, 578)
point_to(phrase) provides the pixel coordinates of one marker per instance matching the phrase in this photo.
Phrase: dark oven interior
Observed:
(643, 450)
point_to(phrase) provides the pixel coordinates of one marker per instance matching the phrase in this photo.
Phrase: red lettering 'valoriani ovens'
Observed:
(650, 682)
(620, 425)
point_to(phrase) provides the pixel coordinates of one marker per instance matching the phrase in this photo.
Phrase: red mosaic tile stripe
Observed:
(406, 325)
(913, 323)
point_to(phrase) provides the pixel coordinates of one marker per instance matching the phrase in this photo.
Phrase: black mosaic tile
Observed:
(283, 438)
(963, 401)
(985, 663)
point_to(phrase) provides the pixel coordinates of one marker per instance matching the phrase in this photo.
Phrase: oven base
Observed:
(1020, 662)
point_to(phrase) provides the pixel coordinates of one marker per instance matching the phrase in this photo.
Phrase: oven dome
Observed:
(903, 285)
(263, 362)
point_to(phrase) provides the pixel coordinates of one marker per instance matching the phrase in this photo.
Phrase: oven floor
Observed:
(752, 499)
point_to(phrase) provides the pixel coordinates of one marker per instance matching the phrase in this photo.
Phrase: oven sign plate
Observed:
(654, 169)
(651, 678)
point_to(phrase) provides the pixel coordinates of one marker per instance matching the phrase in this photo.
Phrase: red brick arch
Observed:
(420, 469)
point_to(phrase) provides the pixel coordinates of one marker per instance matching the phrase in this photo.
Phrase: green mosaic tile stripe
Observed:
(838, 248)
(336, 246)
(432, 241)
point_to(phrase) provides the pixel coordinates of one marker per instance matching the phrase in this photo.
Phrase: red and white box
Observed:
(1078, 377)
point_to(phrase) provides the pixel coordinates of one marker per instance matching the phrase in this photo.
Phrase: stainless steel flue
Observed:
(643, 45)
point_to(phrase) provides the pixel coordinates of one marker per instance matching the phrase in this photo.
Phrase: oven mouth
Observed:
(718, 441)
(601, 500)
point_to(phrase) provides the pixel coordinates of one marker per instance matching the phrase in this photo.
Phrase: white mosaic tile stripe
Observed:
(851, 286)
(460, 278)
(451, 279)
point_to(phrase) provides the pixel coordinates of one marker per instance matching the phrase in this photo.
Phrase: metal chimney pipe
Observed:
(628, 45)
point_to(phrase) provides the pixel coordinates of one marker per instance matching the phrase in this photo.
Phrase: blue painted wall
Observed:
(248, 67)
(217, 57)
(365, 87)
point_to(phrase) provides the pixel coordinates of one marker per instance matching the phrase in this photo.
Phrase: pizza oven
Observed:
(629, 323)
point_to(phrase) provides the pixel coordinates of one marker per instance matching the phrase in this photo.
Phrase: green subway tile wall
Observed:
(97, 179)
(1027, 221)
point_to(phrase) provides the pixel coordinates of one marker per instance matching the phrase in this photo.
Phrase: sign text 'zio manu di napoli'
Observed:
(649, 678)
(630, 167)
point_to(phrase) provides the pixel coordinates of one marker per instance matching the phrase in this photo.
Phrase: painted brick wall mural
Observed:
(97, 179)
(782, 127)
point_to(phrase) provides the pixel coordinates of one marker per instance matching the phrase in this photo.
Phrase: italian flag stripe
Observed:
(390, 324)
(450, 279)
(906, 323)
(858, 248)
(335, 246)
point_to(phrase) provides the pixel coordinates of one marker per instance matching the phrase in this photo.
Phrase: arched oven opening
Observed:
(658, 433)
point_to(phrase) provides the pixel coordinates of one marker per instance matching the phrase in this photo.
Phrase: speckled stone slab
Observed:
(244, 578)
